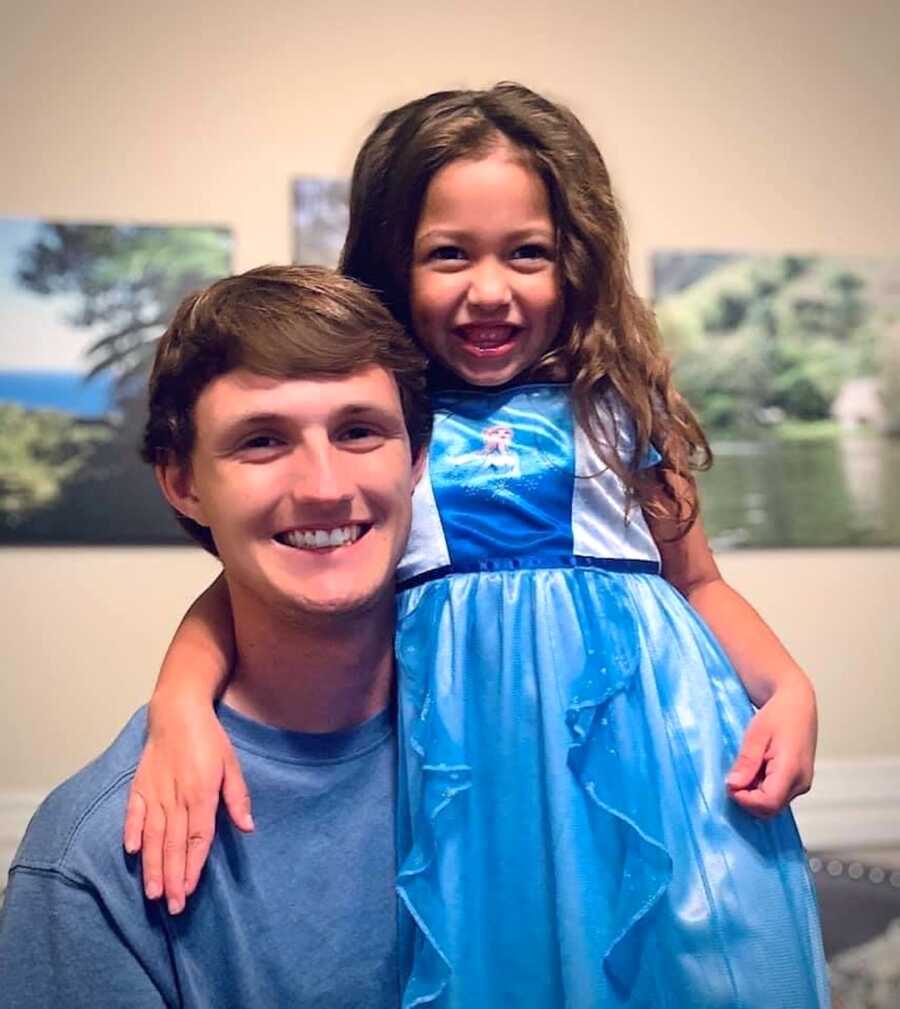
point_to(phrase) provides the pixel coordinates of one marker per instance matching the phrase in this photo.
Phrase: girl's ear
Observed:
(177, 482)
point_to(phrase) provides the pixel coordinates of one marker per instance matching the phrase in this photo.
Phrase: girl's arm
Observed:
(777, 754)
(188, 758)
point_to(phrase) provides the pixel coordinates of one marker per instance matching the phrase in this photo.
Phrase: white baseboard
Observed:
(853, 803)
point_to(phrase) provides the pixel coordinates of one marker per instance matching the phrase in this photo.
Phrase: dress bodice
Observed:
(512, 481)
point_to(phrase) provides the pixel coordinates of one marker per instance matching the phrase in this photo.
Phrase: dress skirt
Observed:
(566, 839)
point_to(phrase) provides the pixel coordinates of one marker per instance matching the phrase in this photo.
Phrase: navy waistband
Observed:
(625, 564)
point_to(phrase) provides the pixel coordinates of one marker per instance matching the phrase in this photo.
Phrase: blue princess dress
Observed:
(565, 836)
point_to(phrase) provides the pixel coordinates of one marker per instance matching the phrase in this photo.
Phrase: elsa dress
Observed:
(567, 723)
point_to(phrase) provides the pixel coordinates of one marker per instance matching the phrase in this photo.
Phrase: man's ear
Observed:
(177, 482)
(419, 464)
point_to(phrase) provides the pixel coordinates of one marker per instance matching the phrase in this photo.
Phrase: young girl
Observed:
(566, 648)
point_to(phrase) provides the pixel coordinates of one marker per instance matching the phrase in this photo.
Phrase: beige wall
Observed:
(766, 126)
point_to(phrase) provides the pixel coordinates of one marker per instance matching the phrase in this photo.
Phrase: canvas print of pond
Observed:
(320, 216)
(793, 364)
(81, 309)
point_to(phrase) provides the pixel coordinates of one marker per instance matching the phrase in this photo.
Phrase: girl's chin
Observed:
(482, 371)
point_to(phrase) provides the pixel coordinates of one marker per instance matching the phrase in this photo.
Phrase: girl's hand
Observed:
(187, 762)
(775, 764)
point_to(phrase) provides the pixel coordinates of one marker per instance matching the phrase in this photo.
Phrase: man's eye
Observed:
(359, 432)
(361, 438)
(260, 441)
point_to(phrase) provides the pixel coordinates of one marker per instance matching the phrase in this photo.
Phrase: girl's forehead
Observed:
(497, 151)
(495, 185)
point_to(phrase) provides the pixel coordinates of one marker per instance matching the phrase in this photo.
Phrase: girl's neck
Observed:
(441, 379)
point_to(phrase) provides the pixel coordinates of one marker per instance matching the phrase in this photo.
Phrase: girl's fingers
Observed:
(201, 825)
(802, 785)
(744, 770)
(749, 762)
(235, 794)
(134, 822)
(755, 802)
(782, 781)
(174, 854)
(152, 850)
(776, 788)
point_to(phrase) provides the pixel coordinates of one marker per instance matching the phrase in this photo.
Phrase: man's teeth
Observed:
(318, 539)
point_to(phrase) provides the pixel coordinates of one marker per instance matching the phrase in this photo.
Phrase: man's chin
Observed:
(318, 598)
(327, 608)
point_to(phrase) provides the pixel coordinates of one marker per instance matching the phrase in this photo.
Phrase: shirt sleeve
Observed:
(59, 948)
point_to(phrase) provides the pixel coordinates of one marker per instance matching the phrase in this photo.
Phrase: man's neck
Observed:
(318, 674)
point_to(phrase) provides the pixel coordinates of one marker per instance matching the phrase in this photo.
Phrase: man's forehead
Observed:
(245, 392)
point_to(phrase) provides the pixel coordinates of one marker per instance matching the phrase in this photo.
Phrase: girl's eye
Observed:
(447, 253)
(532, 251)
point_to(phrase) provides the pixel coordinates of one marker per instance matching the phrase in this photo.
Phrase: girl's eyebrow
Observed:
(461, 234)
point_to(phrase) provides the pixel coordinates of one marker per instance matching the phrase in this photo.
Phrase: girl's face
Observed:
(485, 289)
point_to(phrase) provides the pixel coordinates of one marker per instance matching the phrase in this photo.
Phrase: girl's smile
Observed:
(485, 292)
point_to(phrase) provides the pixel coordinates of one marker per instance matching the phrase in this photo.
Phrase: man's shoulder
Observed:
(80, 822)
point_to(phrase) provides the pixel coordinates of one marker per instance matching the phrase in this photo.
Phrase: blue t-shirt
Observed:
(300, 913)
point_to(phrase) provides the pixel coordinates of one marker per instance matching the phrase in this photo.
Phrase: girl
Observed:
(567, 716)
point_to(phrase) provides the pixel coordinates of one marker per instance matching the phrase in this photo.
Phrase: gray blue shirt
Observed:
(300, 913)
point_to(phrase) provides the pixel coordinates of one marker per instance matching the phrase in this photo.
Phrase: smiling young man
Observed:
(288, 420)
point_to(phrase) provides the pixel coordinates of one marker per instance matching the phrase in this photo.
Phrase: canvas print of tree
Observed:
(793, 364)
(321, 214)
(81, 309)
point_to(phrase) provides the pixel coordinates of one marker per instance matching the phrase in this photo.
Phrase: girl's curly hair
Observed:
(609, 338)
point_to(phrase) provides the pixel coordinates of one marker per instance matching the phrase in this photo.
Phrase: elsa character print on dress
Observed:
(599, 737)
(497, 454)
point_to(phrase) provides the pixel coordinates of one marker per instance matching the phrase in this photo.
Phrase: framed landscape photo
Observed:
(792, 363)
(321, 212)
(81, 309)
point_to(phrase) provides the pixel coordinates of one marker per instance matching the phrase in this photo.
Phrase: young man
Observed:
(288, 419)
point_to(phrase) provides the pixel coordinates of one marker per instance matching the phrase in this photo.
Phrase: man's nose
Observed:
(489, 287)
(322, 476)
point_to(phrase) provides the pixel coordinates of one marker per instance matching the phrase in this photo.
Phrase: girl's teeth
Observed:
(489, 336)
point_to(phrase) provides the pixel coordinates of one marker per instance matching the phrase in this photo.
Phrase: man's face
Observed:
(306, 486)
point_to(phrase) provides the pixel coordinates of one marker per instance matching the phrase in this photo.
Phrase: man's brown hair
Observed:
(283, 322)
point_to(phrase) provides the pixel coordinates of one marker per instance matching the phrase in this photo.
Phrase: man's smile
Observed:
(322, 538)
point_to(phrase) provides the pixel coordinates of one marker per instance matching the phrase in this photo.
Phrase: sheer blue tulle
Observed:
(566, 836)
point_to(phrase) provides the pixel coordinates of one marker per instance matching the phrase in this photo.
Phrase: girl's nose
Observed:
(489, 286)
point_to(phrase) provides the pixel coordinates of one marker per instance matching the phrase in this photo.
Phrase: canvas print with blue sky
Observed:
(81, 309)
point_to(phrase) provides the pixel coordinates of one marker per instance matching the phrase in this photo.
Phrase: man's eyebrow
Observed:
(373, 410)
(348, 411)
(364, 408)
(252, 419)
